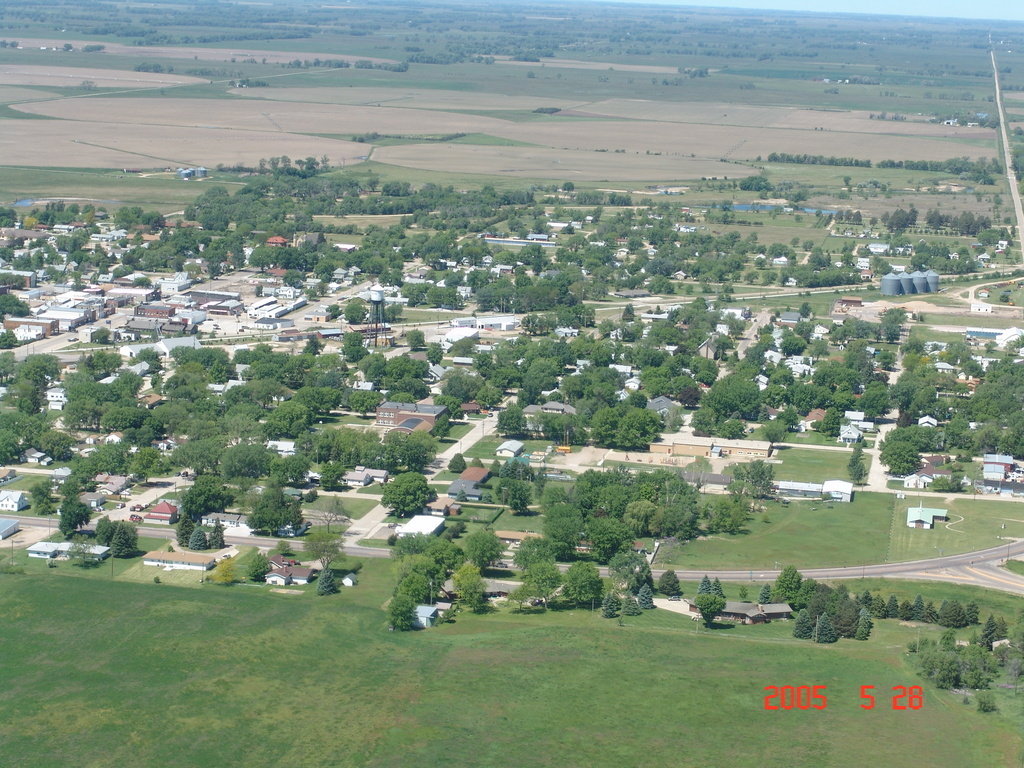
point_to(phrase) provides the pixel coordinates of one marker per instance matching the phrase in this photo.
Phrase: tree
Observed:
(402, 612)
(931, 616)
(542, 579)
(184, 530)
(362, 401)
(516, 494)
(704, 588)
(470, 587)
(482, 548)
(918, 609)
(756, 479)
(856, 467)
(787, 585)
(197, 541)
(259, 567)
(216, 537)
(407, 494)
(325, 584)
(207, 496)
(986, 701)
(42, 498)
(73, 515)
(582, 584)
(709, 605)
(988, 633)
(610, 606)
(716, 588)
(668, 584)
(333, 512)
(863, 625)
(765, 595)
(902, 458)
(355, 311)
(824, 632)
(457, 464)
(415, 338)
(892, 608)
(645, 597)
(630, 606)
(774, 431)
(104, 531)
(124, 540)
(803, 628)
(533, 550)
(324, 547)
(272, 510)
(608, 536)
(225, 572)
(512, 422)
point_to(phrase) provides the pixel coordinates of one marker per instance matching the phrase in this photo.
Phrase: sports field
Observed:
(159, 675)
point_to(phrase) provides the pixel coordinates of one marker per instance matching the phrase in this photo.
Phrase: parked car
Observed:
(135, 518)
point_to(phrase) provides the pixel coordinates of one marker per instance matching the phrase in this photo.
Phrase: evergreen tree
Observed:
(705, 586)
(863, 625)
(918, 612)
(944, 619)
(892, 608)
(971, 612)
(610, 606)
(878, 608)
(765, 595)
(630, 607)
(1001, 628)
(124, 540)
(804, 626)
(906, 611)
(716, 588)
(931, 616)
(216, 537)
(824, 632)
(325, 585)
(197, 540)
(457, 463)
(668, 584)
(865, 599)
(988, 632)
(645, 597)
(185, 529)
(844, 619)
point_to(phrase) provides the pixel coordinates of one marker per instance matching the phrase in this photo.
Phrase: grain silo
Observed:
(920, 281)
(933, 280)
(891, 285)
(908, 283)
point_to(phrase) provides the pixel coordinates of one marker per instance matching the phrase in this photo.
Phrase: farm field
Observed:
(206, 651)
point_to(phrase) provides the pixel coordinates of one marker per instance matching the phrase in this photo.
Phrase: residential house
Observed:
(56, 398)
(32, 456)
(7, 475)
(362, 476)
(743, 613)
(442, 507)
(232, 522)
(465, 489)
(282, 447)
(807, 422)
(477, 475)
(165, 512)
(927, 421)
(179, 561)
(420, 525)
(849, 434)
(58, 550)
(292, 574)
(13, 501)
(93, 500)
(925, 517)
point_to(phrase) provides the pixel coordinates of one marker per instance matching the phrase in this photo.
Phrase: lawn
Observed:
(354, 508)
(806, 534)
(810, 465)
(198, 683)
(484, 449)
(973, 524)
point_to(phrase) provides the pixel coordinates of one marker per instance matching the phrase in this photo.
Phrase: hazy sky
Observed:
(977, 9)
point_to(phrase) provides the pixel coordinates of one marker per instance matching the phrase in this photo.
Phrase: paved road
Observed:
(1011, 176)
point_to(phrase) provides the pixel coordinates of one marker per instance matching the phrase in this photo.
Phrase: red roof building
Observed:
(276, 241)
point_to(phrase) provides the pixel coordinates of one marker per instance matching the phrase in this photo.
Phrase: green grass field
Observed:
(973, 524)
(195, 678)
(805, 533)
(811, 465)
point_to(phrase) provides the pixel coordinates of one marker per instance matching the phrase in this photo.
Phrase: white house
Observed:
(426, 616)
(60, 549)
(179, 561)
(510, 449)
(56, 398)
(849, 434)
(282, 447)
(13, 501)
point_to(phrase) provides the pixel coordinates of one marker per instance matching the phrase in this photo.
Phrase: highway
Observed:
(1011, 176)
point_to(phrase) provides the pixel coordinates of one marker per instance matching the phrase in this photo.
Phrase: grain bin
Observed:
(933, 280)
(891, 285)
(908, 283)
(920, 281)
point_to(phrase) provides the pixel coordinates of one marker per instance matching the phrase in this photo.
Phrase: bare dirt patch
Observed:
(13, 93)
(547, 163)
(16, 74)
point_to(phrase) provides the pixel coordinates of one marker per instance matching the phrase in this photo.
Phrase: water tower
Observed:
(377, 335)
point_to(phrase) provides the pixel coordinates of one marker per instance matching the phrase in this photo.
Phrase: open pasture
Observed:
(412, 98)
